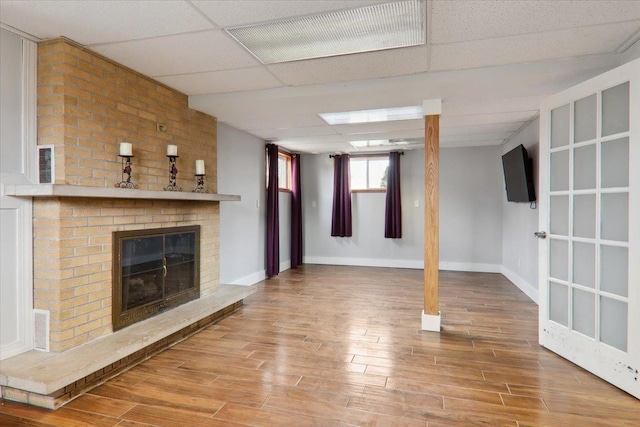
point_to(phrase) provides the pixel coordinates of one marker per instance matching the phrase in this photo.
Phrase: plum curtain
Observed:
(273, 222)
(341, 214)
(393, 207)
(296, 212)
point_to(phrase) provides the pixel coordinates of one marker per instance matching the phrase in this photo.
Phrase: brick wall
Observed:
(87, 105)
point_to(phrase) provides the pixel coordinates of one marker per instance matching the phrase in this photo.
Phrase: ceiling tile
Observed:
(211, 50)
(490, 118)
(471, 143)
(239, 12)
(359, 66)
(363, 128)
(465, 20)
(289, 133)
(477, 137)
(101, 21)
(222, 81)
(494, 128)
(531, 47)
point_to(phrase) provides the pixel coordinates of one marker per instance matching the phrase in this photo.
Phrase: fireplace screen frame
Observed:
(121, 316)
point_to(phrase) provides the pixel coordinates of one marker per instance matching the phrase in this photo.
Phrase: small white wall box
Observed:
(46, 169)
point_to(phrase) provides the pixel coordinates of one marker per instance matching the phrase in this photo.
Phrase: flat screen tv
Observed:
(518, 175)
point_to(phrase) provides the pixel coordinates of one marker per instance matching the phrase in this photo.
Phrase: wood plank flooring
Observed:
(341, 346)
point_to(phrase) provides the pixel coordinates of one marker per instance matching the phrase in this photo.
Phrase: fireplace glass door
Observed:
(154, 270)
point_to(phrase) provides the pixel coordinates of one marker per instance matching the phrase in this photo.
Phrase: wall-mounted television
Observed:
(518, 175)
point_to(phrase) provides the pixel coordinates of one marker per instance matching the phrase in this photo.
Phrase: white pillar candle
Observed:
(172, 150)
(199, 167)
(126, 149)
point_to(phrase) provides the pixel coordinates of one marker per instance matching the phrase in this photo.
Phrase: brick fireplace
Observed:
(87, 105)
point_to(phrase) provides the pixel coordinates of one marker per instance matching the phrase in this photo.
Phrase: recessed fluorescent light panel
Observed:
(371, 116)
(365, 29)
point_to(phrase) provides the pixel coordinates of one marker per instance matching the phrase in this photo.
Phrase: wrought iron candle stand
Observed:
(200, 188)
(173, 173)
(126, 170)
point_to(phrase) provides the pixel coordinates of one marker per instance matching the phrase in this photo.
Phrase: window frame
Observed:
(369, 157)
(287, 157)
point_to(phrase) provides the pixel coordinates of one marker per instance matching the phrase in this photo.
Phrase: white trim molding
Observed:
(475, 267)
(431, 322)
(526, 287)
(432, 107)
(366, 262)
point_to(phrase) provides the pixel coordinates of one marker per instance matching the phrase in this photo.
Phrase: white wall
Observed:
(241, 170)
(470, 214)
(284, 206)
(368, 245)
(471, 209)
(519, 246)
(242, 224)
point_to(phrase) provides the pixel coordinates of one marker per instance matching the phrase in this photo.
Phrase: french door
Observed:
(590, 211)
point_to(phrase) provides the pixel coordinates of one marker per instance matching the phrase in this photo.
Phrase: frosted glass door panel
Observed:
(560, 215)
(615, 216)
(584, 168)
(560, 126)
(613, 323)
(584, 264)
(559, 303)
(615, 163)
(615, 109)
(560, 171)
(585, 119)
(584, 216)
(614, 270)
(558, 259)
(584, 312)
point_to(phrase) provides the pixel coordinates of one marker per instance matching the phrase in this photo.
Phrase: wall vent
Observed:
(41, 329)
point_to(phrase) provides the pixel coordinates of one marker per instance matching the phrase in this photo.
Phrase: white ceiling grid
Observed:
(491, 61)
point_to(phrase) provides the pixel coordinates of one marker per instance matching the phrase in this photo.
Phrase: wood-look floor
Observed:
(341, 346)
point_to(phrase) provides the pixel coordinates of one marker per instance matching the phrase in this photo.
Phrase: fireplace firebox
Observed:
(153, 271)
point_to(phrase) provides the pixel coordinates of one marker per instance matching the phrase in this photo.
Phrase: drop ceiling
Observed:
(491, 62)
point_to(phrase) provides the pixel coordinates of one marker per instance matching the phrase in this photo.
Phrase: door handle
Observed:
(540, 234)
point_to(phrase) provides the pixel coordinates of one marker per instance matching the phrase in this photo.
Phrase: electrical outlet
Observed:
(416, 204)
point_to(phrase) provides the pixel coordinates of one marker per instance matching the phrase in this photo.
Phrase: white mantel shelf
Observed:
(60, 190)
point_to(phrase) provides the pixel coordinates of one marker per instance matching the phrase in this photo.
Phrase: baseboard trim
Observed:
(402, 263)
(470, 266)
(251, 279)
(285, 265)
(526, 287)
(365, 262)
(259, 276)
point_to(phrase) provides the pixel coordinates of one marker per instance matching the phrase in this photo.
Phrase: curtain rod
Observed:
(331, 156)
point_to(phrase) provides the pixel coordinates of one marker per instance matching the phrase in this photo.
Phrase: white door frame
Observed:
(24, 206)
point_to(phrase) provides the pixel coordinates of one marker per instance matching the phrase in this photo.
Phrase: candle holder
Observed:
(173, 173)
(126, 170)
(200, 188)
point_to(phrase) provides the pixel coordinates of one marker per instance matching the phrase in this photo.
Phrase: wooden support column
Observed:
(431, 314)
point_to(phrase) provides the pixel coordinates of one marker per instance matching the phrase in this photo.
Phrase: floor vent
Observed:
(41, 330)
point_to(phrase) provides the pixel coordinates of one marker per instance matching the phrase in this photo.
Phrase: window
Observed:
(284, 171)
(369, 173)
